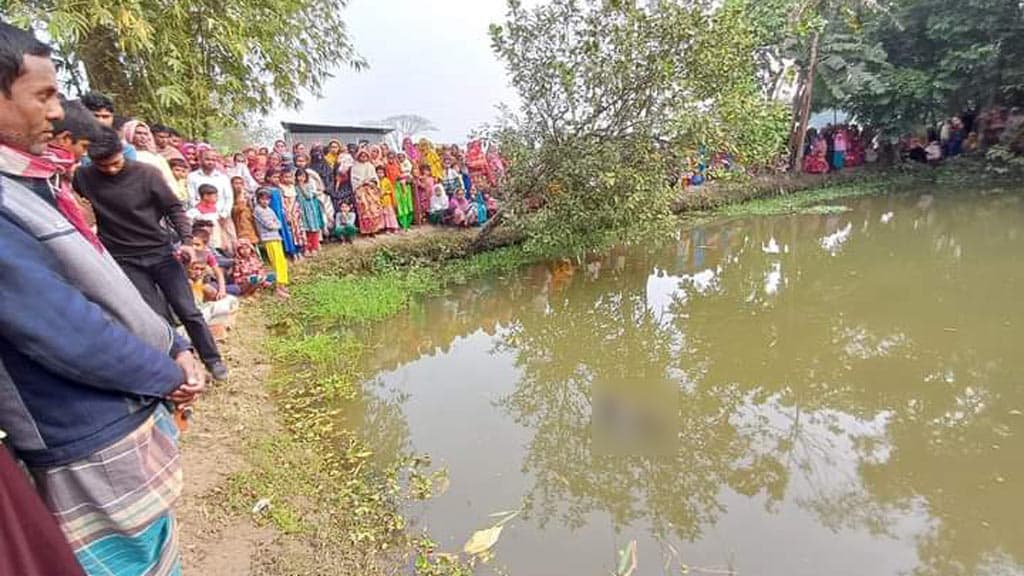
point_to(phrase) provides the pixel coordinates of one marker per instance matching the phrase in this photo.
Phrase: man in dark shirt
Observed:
(131, 200)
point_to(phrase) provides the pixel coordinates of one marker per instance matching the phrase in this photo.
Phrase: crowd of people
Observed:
(842, 146)
(280, 204)
(114, 232)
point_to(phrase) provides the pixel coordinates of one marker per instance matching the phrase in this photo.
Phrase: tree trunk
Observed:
(100, 54)
(480, 242)
(806, 95)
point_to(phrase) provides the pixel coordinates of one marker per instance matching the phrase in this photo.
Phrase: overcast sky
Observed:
(431, 58)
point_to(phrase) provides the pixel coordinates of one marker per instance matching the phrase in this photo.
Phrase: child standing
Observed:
(206, 209)
(345, 223)
(387, 200)
(312, 214)
(268, 226)
(424, 191)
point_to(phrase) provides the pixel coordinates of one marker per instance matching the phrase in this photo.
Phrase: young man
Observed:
(162, 139)
(85, 365)
(131, 200)
(102, 108)
(208, 173)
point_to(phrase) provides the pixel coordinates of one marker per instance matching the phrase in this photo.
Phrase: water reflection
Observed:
(860, 369)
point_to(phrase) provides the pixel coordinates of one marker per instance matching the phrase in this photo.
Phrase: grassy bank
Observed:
(320, 502)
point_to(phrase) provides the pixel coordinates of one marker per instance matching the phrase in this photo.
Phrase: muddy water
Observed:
(801, 394)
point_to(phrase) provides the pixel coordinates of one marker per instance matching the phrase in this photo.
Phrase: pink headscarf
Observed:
(410, 151)
(128, 134)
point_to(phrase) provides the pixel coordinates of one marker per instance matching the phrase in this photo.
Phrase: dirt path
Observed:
(215, 541)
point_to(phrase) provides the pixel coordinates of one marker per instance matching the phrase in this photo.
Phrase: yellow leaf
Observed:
(482, 540)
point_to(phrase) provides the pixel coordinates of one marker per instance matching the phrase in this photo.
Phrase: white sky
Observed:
(427, 57)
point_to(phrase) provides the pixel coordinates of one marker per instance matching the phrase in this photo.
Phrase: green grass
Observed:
(807, 201)
(358, 299)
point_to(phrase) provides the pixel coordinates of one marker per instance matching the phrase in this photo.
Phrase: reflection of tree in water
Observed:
(911, 343)
(767, 374)
(770, 350)
(597, 337)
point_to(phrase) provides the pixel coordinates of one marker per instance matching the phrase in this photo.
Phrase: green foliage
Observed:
(393, 285)
(195, 64)
(912, 62)
(613, 94)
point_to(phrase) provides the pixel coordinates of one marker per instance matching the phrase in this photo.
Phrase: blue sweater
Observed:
(72, 381)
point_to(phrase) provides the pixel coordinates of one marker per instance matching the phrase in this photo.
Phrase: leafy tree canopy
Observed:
(614, 93)
(902, 63)
(198, 65)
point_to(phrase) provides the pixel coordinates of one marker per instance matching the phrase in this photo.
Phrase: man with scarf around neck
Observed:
(131, 201)
(86, 367)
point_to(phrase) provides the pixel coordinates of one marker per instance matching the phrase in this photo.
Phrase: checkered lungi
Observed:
(115, 506)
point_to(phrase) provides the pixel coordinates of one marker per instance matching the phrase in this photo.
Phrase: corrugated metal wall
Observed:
(325, 137)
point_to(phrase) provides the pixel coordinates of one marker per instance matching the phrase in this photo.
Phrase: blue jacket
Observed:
(72, 381)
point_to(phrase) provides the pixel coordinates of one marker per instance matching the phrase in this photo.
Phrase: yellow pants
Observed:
(275, 253)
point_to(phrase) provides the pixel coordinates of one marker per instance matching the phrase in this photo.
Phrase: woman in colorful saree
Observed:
(816, 162)
(476, 162)
(367, 193)
(429, 156)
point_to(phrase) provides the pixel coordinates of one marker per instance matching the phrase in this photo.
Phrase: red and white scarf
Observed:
(54, 166)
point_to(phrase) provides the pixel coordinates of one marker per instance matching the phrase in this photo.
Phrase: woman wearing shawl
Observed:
(403, 192)
(241, 169)
(188, 150)
(318, 163)
(496, 164)
(137, 134)
(377, 157)
(816, 162)
(313, 221)
(428, 155)
(277, 205)
(343, 176)
(476, 162)
(425, 182)
(461, 212)
(367, 194)
(477, 202)
(410, 150)
(332, 152)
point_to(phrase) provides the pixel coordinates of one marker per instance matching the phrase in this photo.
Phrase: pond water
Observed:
(791, 395)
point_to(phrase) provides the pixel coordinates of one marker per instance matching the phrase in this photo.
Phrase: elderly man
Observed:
(87, 369)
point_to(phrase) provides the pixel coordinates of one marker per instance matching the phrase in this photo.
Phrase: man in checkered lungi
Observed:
(86, 367)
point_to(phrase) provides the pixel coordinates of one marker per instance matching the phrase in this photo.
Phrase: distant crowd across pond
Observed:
(847, 145)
